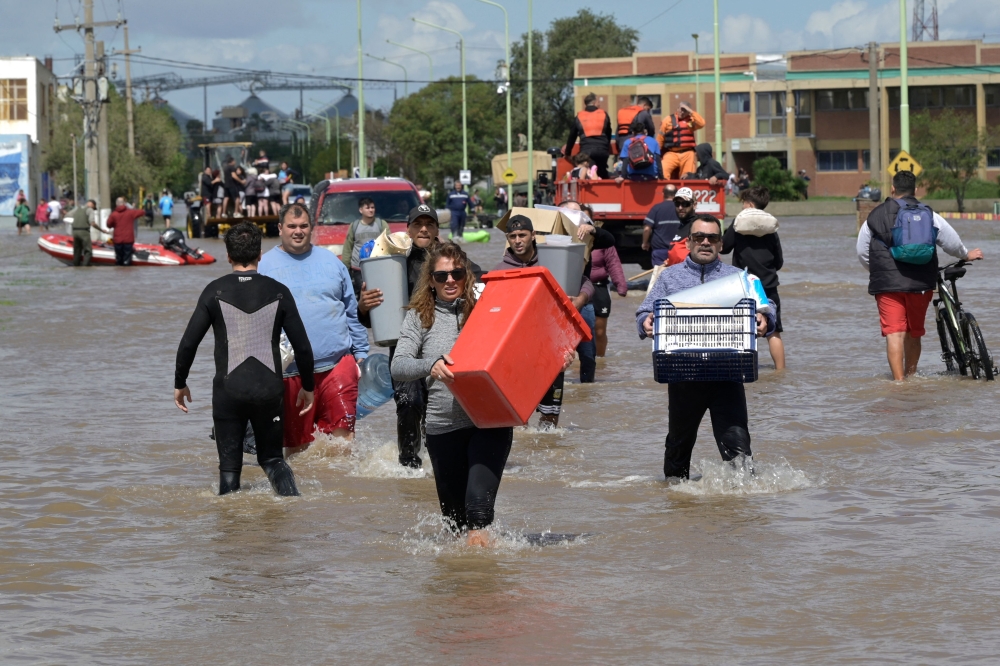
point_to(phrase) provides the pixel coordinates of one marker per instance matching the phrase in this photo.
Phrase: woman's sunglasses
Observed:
(442, 276)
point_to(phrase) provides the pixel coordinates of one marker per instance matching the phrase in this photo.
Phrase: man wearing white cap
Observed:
(685, 204)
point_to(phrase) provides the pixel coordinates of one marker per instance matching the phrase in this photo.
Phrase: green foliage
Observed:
(325, 160)
(585, 35)
(767, 172)
(950, 148)
(159, 161)
(424, 131)
(977, 189)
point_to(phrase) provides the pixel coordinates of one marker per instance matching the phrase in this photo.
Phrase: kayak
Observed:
(103, 254)
(478, 236)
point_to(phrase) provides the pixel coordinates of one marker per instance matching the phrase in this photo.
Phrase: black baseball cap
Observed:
(423, 210)
(519, 223)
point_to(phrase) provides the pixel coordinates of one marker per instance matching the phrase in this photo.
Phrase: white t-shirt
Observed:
(55, 210)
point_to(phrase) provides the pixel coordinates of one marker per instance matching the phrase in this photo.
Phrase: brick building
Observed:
(807, 108)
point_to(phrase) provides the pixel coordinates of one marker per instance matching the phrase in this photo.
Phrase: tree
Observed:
(585, 35)
(782, 185)
(423, 134)
(950, 147)
(159, 161)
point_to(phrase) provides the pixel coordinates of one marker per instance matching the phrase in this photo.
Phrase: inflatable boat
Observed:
(172, 251)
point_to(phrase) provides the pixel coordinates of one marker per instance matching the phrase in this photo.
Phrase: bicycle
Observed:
(962, 342)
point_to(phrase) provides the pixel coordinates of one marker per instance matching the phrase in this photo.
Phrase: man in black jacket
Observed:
(248, 312)
(708, 167)
(593, 127)
(903, 290)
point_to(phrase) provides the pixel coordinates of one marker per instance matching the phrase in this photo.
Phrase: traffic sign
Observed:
(904, 162)
(509, 176)
(465, 177)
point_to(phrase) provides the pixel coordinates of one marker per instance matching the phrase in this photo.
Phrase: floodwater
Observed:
(869, 534)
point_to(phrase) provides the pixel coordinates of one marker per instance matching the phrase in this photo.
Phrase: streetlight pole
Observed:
(362, 159)
(406, 84)
(506, 32)
(430, 62)
(531, 116)
(465, 126)
(904, 84)
(718, 84)
(697, 76)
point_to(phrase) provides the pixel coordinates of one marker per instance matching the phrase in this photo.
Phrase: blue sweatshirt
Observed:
(684, 276)
(457, 201)
(324, 295)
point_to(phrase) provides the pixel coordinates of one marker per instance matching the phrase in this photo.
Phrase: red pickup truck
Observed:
(334, 206)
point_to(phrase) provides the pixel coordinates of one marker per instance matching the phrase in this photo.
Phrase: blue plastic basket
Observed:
(705, 344)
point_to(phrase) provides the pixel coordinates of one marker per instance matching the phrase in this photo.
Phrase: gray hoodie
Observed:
(418, 350)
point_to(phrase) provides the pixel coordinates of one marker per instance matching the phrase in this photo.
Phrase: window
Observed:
(836, 160)
(803, 113)
(993, 159)
(342, 207)
(992, 95)
(738, 102)
(770, 114)
(866, 160)
(654, 100)
(842, 100)
(935, 97)
(13, 99)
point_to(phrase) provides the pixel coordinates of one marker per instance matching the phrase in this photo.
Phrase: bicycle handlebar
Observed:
(958, 264)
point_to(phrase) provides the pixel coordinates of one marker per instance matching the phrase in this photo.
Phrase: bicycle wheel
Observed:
(983, 360)
(961, 357)
(947, 355)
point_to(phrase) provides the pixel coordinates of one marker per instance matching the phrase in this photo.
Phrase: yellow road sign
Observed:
(509, 176)
(904, 162)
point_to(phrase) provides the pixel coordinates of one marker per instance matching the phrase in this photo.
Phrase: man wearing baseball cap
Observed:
(685, 205)
(410, 397)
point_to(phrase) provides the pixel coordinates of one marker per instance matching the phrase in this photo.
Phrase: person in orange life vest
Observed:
(593, 127)
(677, 142)
(641, 112)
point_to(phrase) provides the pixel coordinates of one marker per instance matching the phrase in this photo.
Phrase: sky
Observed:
(320, 36)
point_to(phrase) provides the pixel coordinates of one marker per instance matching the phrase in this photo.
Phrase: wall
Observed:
(38, 127)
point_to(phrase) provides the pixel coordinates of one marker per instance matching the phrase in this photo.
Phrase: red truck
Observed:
(623, 206)
(334, 206)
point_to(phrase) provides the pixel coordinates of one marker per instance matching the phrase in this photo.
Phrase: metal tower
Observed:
(922, 26)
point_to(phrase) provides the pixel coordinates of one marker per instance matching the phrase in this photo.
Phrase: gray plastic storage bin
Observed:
(388, 274)
(566, 263)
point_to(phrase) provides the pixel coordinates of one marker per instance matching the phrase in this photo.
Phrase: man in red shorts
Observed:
(904, 289)
(324, 295)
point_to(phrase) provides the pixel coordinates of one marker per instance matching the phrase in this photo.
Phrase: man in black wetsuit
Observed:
(247, 312)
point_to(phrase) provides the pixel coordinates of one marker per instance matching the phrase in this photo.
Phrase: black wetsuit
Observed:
(247, 312)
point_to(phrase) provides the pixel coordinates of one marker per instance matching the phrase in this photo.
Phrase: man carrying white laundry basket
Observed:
(725, 401)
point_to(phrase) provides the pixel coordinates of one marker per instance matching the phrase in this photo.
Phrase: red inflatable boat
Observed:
(172, 251)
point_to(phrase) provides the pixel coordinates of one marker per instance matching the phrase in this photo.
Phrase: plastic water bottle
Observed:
(375, 385)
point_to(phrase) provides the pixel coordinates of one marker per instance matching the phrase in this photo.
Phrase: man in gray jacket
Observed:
(726, 401)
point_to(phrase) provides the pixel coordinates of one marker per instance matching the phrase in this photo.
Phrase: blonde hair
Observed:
(424, 295)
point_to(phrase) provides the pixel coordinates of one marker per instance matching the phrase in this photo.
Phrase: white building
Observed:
(27, 105)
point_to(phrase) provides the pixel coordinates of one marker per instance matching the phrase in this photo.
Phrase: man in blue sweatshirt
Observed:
(726, 401)
(458, 204)
(322, 289)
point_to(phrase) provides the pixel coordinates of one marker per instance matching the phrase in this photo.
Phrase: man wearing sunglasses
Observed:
(688, 401)
(410, 397)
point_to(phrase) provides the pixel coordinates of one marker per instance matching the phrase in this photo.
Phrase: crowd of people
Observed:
(237, 192)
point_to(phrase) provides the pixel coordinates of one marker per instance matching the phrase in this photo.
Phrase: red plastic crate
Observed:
(513, 346)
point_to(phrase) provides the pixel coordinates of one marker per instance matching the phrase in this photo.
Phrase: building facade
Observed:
(809, 109)
(27, 103)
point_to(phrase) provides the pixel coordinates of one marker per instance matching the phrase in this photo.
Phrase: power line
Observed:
(659, 15)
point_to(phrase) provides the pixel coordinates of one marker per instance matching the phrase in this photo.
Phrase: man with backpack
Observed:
(897, 244)
(366, 228)
(640, 155)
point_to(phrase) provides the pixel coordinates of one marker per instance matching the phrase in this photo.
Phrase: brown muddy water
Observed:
(869, 535)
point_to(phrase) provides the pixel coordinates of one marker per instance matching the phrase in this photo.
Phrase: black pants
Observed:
(231, 418)
(727, 403)
(123, 253)
(468, 465)
(551, 403)
(411, 410)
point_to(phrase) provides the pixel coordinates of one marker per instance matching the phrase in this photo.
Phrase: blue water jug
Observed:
(375, 385)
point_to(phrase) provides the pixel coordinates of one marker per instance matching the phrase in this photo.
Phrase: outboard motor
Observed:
(173, 240)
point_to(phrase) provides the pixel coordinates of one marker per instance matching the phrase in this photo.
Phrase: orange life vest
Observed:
(626, 115)
(592, 122)
(680, 137)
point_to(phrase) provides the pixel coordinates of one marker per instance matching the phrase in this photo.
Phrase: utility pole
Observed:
(362, 159)
(718, 79)
(904, 84)
(531, 119)
(874, 159)
(104, 167)
(73, 137)
(128, 93)
(90, 102)
(465, 126)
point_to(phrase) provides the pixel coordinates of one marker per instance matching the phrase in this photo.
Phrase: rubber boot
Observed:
(228, 482)
(281, 478)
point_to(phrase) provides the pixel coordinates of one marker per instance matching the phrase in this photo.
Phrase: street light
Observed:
(406, 85)
(904, 84)
(465, 127)
(697, 76)
(430, 62)
(506, 32)
(337, 111)
(718, 77)
(531, 117)
(362, 158)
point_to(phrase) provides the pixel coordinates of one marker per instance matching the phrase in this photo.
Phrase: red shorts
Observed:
(901, 312)
(336, 400)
